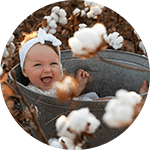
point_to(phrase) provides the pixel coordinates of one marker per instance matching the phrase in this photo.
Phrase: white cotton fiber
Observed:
(78, 119)
(124, 113)
(1, 70)
(115, 40)
(54, 16)
(52, 24)
(10, 39)
(56, 9)
(49, 18)
(52, 31)
(100, 29)
(62, 126)
(76, 45)
(97, 10)
(62, 13)
(5, 53)
(90, 14)
(83, 13)
(76, 11)
(55, 143)
(63, 20)
(120, 111)
(94, 123)
(88, 38)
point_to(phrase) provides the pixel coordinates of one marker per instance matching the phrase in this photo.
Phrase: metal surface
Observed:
(107, 79)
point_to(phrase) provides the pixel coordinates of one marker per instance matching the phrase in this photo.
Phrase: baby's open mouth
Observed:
(46, 80)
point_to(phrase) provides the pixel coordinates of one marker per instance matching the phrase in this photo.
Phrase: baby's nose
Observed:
(47, 70)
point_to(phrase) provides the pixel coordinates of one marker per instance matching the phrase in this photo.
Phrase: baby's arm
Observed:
(82, 78)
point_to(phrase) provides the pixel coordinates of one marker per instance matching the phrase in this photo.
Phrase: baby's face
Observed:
(42, 66)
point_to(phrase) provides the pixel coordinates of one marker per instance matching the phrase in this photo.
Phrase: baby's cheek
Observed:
(57, 74)
(34, 79)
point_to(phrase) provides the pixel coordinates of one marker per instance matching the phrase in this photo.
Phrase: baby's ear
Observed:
(24, 73)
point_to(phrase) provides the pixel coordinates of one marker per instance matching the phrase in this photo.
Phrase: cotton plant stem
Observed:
(38, 129)
(134, 41)
(122, 65)
(25, 26)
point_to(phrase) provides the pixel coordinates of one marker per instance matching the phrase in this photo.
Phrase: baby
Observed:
(40, 62)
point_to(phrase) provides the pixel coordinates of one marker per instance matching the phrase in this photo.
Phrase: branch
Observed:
(122, 65)
(38, 129)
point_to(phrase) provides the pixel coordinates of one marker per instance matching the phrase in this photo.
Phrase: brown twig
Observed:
(38, 129)
(25, 26)
(118, 22)
(122, 65)
(134, 41)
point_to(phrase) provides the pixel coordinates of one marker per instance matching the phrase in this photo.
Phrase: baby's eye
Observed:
(37, 65)
(54, 63)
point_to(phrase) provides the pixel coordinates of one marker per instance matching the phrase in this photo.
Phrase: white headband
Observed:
(41, 37)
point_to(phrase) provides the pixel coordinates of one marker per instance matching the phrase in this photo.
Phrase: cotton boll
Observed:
(1, 70)
(86, 9)
(62, 126)
(76, 46)
(141, 45)
(113, 36)
(120, 111)
(93, 4)
(90, 14)
(69, 144)
(54, 16)
(120, 94)
(76, 11)
(94, 123)
(110, 120)
(83, 121)
(92, 40)
(112, 104)
(87, 3)
(52, 31)
(121, 116)
(55, 143)
(52, 24)
(5, 53)
(101, 6)
(119, 40)
(11, 48)
(62, 13)
(46, 29)
(117, 46)
(136, 98)
(100, 29)
(61, 121)
(49, 18)
(63, 20)
(124, 113)
(130, 98)
(82, 26)
(10, 39)
(83, 13)
(56, 9)
(96, 10)
(78, 119)
(115, 40)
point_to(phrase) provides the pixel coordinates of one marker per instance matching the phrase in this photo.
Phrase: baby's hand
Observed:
(82, 78)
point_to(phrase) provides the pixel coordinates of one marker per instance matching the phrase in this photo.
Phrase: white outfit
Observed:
(51, 92)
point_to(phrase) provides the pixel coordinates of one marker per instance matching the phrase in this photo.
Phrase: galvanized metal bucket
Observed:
(107, 79)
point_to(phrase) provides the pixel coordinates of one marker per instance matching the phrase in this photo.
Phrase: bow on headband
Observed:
(41, 37)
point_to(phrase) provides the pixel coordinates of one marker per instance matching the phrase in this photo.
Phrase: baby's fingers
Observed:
(85, 74)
